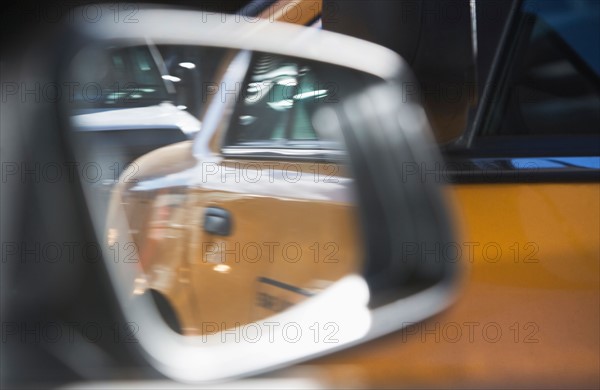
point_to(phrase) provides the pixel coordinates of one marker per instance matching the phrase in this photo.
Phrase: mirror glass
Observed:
(216, 189)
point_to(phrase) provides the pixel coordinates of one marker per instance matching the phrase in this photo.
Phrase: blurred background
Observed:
(519, 136)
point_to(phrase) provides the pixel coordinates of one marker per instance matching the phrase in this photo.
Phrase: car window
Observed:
(277, 102)
(552, 85)
(117, 78)
(190, 69)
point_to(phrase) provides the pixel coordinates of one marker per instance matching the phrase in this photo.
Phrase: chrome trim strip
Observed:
(473, 7)
(285, 286)
(291, 152)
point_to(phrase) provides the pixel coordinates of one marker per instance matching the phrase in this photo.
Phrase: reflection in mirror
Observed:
(228, 222)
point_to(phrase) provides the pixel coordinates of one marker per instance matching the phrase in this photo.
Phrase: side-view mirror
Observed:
(262, 198)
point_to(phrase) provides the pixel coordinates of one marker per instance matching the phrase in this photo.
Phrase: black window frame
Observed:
(469, 158)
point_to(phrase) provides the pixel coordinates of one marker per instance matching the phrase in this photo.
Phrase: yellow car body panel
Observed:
(284, 232)
(527, 316)
(295, 231)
